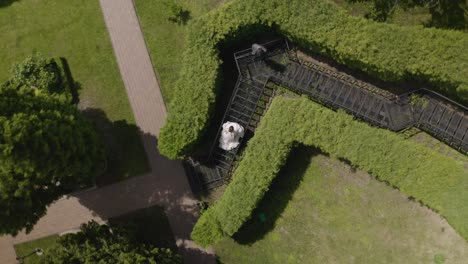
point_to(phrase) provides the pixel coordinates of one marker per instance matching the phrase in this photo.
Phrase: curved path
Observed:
(166, 185)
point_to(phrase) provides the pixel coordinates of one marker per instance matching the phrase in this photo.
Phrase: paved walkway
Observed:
(165, 185)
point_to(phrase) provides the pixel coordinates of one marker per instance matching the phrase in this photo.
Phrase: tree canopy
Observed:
(36, 72)
(100, 244)
(46, 149)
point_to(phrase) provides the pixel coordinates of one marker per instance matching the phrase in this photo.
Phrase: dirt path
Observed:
(165, 185)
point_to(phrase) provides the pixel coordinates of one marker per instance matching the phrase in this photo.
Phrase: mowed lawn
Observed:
(25, 249)
(166, 39)
(320, 210)
(75, 30)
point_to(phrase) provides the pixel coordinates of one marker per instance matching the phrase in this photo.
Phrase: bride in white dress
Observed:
(230, 135)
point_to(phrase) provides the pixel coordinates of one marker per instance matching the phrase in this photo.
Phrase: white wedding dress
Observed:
(230, 140)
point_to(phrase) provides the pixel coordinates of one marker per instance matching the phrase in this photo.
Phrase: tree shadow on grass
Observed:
(5, 3)
(449, 14)
(181, 18)
(126, 155)
(276, 200)
(73, 86)
(446, 14)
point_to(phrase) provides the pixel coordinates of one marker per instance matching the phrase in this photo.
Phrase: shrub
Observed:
(385, 51)
(36, 72)
(417, 171)
(100, 244)
(48, 75)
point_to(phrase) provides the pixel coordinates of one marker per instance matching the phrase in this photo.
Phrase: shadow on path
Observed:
(166, 186)
(124, 149)
(149, 226)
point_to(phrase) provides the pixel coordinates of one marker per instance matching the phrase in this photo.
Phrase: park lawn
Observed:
(26, 248)
(76, 31)
(165, 39)
(320, 210)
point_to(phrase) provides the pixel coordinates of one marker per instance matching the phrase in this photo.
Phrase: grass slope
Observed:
(76, 30)
(320, 210)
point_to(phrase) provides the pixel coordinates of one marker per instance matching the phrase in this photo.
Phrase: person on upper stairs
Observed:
(258, 50)
(230, 136)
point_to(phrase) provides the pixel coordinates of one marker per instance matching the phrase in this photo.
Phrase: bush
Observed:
(36, 72)
(385, 51)
(48, 75)
(100, 244)
(417, 171)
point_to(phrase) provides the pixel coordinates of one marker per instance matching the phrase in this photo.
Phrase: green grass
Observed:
(320, 210)
(26, 248)
(76, 30)
(166, 40)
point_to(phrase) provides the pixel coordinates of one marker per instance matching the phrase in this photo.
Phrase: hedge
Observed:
(385, 51)
(430, 177)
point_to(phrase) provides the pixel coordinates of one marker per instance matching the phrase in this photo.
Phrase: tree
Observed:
(38, 73)
(46, 149)
(100, 244)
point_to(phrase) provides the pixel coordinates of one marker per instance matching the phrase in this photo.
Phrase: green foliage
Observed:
(36, 72)
(417, 171)
(46, 149)
(48, 75)
(208, 229)
(418, 100)
(99, 244)
(385, 51)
